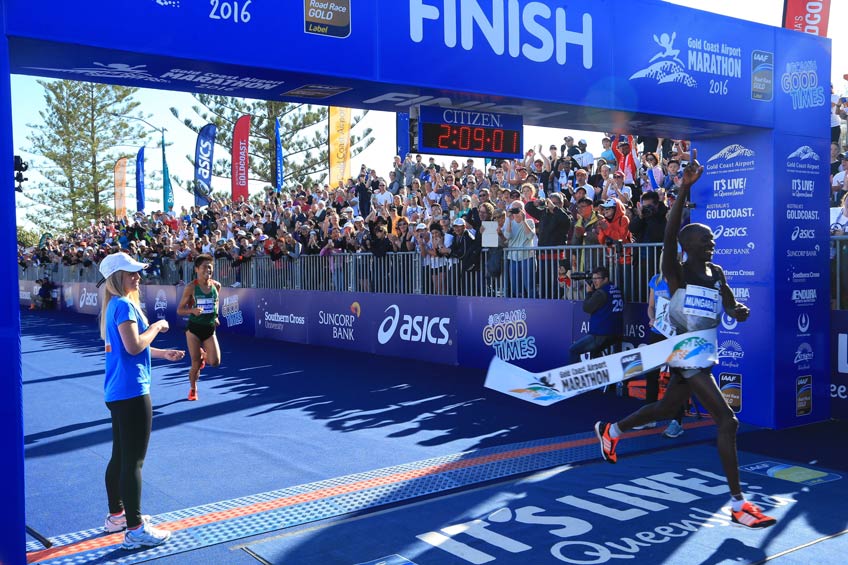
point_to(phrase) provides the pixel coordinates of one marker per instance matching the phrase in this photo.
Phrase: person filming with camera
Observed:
(605, 305)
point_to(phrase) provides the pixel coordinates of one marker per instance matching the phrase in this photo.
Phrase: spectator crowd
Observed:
(563, 196)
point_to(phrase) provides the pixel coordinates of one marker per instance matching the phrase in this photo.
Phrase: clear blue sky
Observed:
(28, 99)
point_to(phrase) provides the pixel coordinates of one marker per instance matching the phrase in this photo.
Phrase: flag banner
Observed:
(44, 237)
(807, 17)
(203, 164)
(168, 191)
(278, 143)
(121, 188)
(139, 180)
(684, 351)
(339, 145)
(240, 158)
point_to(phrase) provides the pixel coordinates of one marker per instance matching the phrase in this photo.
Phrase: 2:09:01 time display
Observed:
(447, 137)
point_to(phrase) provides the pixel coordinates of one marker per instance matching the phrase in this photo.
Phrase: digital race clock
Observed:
(450, 131)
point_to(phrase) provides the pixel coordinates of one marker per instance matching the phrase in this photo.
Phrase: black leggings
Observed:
(132, 420)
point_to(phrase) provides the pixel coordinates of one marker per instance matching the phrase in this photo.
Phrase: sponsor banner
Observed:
(283, 316)
(807, 16)
(530, 334)
(279, 169)
(240, 158)
(88, 298)
(159, 302)
(203, 159)
(802, 85)
(344, 321)
(687, 350)
(236, 311)
(339, 145)
(121, 188)
(139, 180)
(416, 327)
(839, 364)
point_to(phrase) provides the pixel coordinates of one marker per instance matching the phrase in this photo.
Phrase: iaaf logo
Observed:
(87, 298)
(414, 328)
(803, 355)
(799, 233)
(722, 231)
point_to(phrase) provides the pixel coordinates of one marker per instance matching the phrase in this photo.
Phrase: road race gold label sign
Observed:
(327, 17)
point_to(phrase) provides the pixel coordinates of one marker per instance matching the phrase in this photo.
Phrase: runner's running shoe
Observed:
(192, 394)
(602, 430)
(647, 426)
(673, 430)
(751, 516)
(116, 524)
(145, 536)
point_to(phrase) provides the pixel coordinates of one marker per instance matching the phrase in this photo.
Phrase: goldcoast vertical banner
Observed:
(806, 16)
(339, 145)
(139, 180)
(121, 188)
(240, 158)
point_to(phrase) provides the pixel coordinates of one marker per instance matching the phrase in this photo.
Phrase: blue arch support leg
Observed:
(13, 538)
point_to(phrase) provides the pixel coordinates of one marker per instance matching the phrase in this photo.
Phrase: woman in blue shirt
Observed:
(128, 338)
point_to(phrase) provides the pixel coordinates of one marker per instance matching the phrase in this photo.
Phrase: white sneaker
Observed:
(116, 524)
(647, 426)
(673, 430)
(145, 536)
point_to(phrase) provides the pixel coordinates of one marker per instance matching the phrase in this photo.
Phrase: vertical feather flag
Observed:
(339, 145)
(121, 188)
(139, 180)
(240, 158)
(279, 145)
(203, 164)
(166, 180)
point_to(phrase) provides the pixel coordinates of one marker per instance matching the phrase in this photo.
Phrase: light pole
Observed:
(168, 196)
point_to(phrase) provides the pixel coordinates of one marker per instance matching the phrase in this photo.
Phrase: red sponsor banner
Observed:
(121, 188)
(807, 16)
(240, 157)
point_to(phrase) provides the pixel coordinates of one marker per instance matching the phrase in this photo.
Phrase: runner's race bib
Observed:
(207, 305)
(701, 301)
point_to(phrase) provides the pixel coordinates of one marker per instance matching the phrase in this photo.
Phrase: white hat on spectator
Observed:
(421, 226)
(241, 233)
(609, 203)
(348, 225)
(263, 237)
(359, 219)
(348, 210)
(115, 262)
(459, 222)
(581, 142)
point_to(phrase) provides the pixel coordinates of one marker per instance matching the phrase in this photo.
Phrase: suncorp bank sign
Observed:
(416, 329)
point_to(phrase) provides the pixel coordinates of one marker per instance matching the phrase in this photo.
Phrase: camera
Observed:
(514, 211)
(580, 276)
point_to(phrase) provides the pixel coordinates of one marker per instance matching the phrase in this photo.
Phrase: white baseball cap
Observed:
(115, 262)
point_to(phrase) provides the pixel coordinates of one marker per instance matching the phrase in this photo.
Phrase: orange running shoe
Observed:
(192, 394)
(608, 443)
(751, 516)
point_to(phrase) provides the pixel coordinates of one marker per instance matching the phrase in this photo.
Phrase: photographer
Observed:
(605, 305)
(553, 229)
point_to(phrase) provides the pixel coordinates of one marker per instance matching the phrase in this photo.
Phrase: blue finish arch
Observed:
(755, 96)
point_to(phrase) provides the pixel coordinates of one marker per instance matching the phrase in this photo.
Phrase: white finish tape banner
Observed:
(685, 351)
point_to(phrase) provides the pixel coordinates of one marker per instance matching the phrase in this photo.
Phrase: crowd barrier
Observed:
(454, 330)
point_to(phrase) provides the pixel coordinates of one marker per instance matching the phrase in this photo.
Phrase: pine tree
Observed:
(80, 138)
(304, 130)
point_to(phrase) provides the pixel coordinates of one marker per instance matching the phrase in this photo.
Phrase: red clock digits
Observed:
(443, 142)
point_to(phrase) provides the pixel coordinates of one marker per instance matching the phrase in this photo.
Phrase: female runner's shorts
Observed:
(202, 331)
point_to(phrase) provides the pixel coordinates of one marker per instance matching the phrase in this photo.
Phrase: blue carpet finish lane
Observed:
(664, 507)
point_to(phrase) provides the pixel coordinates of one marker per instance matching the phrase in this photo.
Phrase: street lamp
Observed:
(168, 196)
